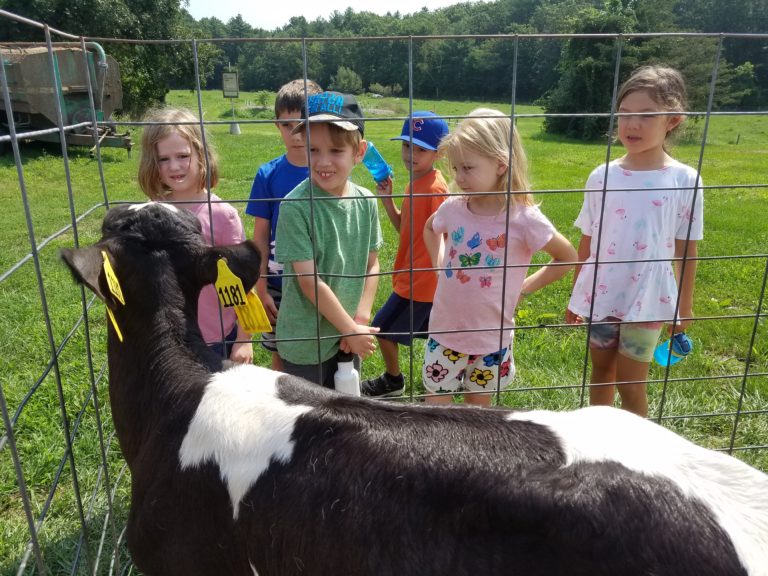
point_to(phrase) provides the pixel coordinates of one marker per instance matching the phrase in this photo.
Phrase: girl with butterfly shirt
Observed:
(483, 240)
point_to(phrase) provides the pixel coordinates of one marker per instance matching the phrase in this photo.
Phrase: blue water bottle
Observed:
(681, 347)
(376, 164)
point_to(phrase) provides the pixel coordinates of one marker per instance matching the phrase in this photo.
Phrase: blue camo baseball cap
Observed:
(340, 109)
(428, 129)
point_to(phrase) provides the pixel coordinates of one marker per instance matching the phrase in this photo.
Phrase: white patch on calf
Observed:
(736, 493)
(242, 426)
(137, 207)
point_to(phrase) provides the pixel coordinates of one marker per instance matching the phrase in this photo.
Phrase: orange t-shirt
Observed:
(424, 283)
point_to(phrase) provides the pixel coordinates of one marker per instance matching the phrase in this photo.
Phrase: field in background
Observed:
(549, 359)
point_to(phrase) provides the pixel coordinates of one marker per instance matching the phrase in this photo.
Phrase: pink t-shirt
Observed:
(227, 229)
(469, 291)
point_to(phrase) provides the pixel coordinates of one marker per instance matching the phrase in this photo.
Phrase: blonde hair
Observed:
(168, 121)
(490, 133)
(664, 85)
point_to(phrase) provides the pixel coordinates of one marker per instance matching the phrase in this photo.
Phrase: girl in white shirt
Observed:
(643, 212)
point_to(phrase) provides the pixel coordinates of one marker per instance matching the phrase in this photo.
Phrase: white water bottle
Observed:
(346, 379)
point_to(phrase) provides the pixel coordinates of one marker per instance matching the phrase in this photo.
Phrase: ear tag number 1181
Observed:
(250, 312)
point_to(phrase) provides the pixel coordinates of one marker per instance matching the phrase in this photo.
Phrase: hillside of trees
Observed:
(565, 75)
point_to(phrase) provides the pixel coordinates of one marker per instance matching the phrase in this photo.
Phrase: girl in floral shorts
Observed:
(483, 241)
(447, 370)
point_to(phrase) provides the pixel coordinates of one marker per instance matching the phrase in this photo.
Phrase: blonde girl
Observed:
(482, 240)
(645, 209)
(175, 167)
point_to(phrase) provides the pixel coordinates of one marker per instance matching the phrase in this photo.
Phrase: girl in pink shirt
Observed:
(483, 241)
(173, 168)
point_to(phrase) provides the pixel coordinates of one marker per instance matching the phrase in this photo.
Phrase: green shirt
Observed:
(346, 230)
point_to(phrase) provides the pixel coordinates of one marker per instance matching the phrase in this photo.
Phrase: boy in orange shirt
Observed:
(421, 136)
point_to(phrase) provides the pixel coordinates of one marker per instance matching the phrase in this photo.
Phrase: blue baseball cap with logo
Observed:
(339, 109)
(427, 129)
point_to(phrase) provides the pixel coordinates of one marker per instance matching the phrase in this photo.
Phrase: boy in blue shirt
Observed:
(272, 182)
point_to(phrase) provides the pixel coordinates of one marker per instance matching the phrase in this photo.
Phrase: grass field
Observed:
(699, 401)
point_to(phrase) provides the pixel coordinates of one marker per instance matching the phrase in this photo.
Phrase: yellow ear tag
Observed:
(253, 318)
(114, 324)
(248, 307)
(114, 285)
(115, 290)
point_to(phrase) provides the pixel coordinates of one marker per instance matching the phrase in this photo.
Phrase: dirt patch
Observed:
(380, 112)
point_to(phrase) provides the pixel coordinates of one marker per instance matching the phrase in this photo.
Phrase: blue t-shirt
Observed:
(272, 183)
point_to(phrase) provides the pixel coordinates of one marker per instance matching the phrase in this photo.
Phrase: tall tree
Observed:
(740, 16)
(587, 70)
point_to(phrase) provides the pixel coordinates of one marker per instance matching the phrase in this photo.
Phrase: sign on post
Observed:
(231, 89)
(230, 85)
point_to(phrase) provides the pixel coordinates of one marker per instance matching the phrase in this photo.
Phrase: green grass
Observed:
(549, 359)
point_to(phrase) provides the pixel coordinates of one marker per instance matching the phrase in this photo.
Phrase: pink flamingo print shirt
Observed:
(644, 213)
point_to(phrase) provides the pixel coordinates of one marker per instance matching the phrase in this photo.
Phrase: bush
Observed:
(346, 80)
(393, 90)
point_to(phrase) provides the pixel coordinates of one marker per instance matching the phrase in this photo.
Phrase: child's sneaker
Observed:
(383, 386)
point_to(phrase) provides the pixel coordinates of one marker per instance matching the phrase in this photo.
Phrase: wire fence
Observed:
(64, 500)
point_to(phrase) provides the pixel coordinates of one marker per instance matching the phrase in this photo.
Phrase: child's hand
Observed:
(686, 319)
(267, 301)
(363, 343)
(242, 353)
(572, 317)
(384, 188)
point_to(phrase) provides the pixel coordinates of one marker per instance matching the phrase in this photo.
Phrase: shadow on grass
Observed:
(32, 150)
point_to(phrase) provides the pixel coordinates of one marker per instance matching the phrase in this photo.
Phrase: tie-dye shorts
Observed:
(636, 341)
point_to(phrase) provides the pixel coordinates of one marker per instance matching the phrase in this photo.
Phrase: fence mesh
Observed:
(64, 488)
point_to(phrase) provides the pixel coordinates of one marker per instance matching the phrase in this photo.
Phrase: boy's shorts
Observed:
(224, 349)
(395, 316)
(447, 370)
(268, 338)
(635, 341)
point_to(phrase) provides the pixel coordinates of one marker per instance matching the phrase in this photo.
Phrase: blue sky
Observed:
(257, 16)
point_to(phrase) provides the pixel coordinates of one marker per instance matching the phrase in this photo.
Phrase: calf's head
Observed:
(155, 253)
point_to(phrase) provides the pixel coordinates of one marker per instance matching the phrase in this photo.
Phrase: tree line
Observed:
(563, 74)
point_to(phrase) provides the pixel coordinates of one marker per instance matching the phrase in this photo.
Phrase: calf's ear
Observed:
(244, 260)
(86, 265)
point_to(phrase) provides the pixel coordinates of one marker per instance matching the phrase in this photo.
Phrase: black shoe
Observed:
(383, 386)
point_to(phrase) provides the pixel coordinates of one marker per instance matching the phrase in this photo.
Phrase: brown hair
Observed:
(167, 121)
(291, 97)
(490, 133)
(663, 84)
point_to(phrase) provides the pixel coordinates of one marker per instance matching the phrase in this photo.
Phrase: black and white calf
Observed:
(241, 470)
